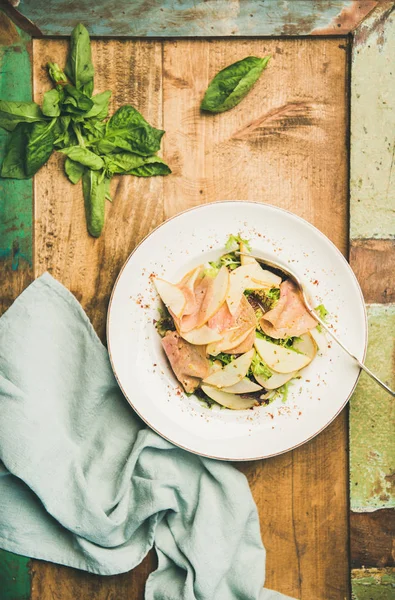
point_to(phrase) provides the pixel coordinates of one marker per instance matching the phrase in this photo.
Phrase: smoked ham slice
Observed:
(189, 362)
(289, 317)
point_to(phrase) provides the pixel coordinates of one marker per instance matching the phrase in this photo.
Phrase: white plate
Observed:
(139, 362)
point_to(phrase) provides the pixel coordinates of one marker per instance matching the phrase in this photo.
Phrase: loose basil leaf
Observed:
(74, 170)
(100, 106)
(122, 162)
(128, 130)
(82, 102)
(151, 169)
(51, 101)
(40, 139)
(56, 73)
(94, 198)
(79, 66)
(12, 113)
(13, 163)
(84, 157)
(232, 84)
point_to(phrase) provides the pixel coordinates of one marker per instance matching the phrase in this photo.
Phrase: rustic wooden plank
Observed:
(372, 183)
(284, 144)
(373, 584)
(373, 262)
(14, 576)
(372, 191)
(372, 537)
(16, 207)
(372, 448)
(16, 196)
(87, 266)
(197, 18)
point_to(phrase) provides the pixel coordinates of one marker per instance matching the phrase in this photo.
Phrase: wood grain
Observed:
(285, 144)
(373, 262)
(87, 266)
(372, 538)
(191, 18)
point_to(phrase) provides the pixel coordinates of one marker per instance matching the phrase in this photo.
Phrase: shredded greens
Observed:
(165, 323)
(322, 313)
(258, 367)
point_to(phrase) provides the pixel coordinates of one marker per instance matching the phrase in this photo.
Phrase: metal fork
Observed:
(296, 280)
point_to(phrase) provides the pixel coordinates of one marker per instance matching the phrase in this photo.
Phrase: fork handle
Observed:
(360, 364)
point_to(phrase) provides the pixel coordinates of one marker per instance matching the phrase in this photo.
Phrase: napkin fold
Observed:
(84, 483)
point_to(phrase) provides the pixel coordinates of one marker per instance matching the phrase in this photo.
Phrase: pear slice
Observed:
(232, 401)
(248, 277)
(231, 373)
(306, 344)
(218, 295)
(246, 260)
(245, 386)
(202, 335)
(230, 339)
(171, 296)
(280, 359)
(276, 380)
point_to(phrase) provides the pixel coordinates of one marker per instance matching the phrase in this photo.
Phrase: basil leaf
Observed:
(100, 106)
(82, 102)
(40, 139)
(74, 170)
(232, 84)
(13, 163)
(12, 113)
(94, 198)
(79, 66)
(56, 73)
(151, 169)
(84, 157)
(128, 130)
(51, 101)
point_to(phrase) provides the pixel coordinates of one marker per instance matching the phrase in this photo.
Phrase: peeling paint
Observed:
(348, 19)
(372, 164)
(372, 420)
(373, 584)
(145, 18)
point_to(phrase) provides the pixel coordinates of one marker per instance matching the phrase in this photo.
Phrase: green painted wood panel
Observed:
(15, 196)
(373, 584)
(14, 576)
(168, 18)
(372, 420)
(372, 183)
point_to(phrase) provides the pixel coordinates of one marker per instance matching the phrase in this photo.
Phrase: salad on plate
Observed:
(234, 333)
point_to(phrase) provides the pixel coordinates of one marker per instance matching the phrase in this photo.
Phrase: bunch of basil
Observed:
(72, 121)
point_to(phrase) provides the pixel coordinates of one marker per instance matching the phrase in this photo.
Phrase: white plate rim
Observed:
(310, 225)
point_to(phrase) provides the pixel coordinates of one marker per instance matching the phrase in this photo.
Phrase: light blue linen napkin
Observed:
(84, 483)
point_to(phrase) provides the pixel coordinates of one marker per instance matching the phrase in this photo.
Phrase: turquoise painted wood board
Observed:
(191, 18)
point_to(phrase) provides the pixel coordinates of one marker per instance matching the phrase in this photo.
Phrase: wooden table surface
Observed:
(286, 144)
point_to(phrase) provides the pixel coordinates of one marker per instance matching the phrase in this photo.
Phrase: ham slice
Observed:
(289, 317)
(246, 345)
(203, 292)
(189, 362)
(223, 319)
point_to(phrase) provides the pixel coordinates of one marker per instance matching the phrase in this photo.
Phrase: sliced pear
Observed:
(245, 386)
(248, 277)
(189, 279)
(280, 359)
(267, 395)
(276, 380)
(306, 344)
(231, 373)
(232, 401)
(230, 339)
(246, 260)
(218, 295)
(201, 336)
(171, 296)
